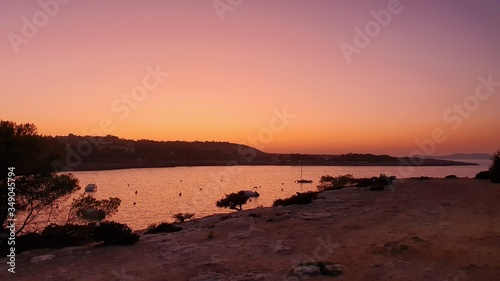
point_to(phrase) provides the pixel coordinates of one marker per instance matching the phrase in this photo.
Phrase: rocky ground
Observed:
(439, 229)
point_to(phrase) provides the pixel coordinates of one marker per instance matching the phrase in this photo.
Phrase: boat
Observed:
(91, 187)
(251, 193)
(301, 179)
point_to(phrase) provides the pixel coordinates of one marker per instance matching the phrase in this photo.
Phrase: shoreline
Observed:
(118, 167)
(436, 229)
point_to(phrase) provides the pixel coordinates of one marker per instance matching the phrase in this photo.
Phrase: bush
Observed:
(494, 172)
(29, 241)
(234, 201)
(451, 177)
(484, 175)
(163, 227)
(59, 236)
(334, 183)
(382, 180)
(297, 199)
(181, 217)
(113, 233)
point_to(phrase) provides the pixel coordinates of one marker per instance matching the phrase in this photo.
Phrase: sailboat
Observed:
(302, 180)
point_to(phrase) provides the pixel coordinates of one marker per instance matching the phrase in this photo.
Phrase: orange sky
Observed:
(229, 72)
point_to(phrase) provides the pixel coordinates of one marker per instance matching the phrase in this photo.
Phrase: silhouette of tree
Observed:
(494, 171)
(37, 188)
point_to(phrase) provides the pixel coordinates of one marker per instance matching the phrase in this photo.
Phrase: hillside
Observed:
(111, 152)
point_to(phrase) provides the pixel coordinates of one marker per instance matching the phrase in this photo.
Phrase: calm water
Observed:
(158, 189)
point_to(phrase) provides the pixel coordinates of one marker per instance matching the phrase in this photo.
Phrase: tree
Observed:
(87, 209)
(181, 217)
(233, 201)
(38, 190)
(334, 183)
(494, 171)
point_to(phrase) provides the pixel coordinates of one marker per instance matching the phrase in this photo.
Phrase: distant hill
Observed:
(111, 152)
(464, 156)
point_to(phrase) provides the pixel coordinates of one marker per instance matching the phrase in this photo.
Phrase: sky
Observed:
(323, 77)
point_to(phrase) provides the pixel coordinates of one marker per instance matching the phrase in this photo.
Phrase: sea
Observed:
(154, 195)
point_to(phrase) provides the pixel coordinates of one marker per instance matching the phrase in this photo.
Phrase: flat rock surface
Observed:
(439, 229)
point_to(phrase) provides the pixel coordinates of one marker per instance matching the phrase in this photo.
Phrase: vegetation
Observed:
(38, 190)
(484, 175)
(113, 233)
(59, 236)
(181, 217)
(297, 199)
(335, 183)
(233, 201)
(494, 171)
(162, 227)
(451, 177)
(87, 209)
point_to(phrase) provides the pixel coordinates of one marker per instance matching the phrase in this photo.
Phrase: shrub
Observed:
(297, 199)
(451, 177)
(163, 227)
(494, 171)
(113, 233)
(234, 201)
(334, 183)
(29, 241)
(59, 236)
(87, 209)
(181, 217)
(484, 175)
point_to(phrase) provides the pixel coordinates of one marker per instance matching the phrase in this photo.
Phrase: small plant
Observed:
(59, 236)
(335, 183)
(233, 201)
(494, 171)
(163, 227)
(181, 217)
(113, 233)
(297, 199)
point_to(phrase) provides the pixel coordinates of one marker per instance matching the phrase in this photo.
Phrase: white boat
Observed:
(91, 187)
(251, 193)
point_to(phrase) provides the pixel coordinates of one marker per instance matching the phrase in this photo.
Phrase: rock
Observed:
(306, 270)
(42, 258)
(250, 277)
(209, 276)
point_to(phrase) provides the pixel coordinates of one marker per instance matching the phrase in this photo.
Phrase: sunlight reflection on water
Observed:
(159, 189)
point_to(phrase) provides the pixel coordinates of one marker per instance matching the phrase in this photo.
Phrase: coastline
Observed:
(436, 229)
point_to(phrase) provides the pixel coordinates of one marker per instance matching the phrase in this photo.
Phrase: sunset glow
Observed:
(434, 65)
